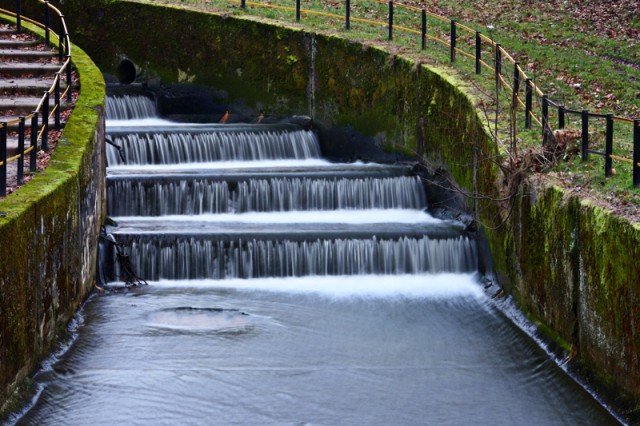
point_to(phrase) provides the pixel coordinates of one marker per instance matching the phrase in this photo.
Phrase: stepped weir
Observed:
(284, 288)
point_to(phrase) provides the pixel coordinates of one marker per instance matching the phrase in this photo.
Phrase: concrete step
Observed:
(15, 43)
(14, 127)
(12, 146)
(20, 54)
(27, 85)
(22, 104)
(25, 69)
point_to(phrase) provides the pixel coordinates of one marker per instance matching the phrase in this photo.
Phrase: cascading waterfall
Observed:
(259, 247)
(192, 258)
(178, 148)
(129, 107)
(199, 196)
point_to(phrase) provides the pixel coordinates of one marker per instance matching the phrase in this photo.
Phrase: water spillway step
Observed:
(129, 107)
(238, 171)
(185, 258)
(198, 196)
(279, 226)
(211, 146)
(162, 126)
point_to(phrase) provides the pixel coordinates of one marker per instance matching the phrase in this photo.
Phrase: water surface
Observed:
(379, 350)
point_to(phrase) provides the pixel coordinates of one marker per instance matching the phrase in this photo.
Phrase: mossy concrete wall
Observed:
(571, 266)
(576, 268)
(48, 236)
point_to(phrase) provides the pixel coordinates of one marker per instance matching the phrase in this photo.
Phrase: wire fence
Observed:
(36, 125)
(536, 107)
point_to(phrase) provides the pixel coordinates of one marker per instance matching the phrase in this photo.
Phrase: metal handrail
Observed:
(38, 132)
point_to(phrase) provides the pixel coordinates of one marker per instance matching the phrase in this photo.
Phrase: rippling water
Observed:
(321, 350)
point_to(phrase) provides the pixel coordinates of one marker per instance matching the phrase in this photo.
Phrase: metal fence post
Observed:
(585, 135)
(608, 149)
(498, 65)
(545, 118)
(561, 123)
(636, 153)
(298, 10)
(60, 40)
(56, 101)
(45, 122)
(453, 40)
(528, 103)
(516, 78)
(47, 30)
(69, 82)
(478, 53)
(18, 16)
(390, 20)
(424, 27)
(243, 4)
(20, 172)
(34, 142)
(3, 159)
(347, 15)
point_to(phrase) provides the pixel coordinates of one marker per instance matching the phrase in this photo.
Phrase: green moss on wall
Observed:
(48, 235)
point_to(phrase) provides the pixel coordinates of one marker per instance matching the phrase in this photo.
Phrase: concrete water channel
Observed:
(284, 288)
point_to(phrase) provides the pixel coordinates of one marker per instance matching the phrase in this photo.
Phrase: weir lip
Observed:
(238, 173)
(181, 128)
(227, 231)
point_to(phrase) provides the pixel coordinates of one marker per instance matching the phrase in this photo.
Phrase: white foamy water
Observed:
(320, 216)
(143, 122)
(419, 286)
(219, 165)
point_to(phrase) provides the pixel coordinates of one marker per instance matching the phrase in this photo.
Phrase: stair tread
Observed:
(22, 101)
(4, 43)
(29, 65)
(20, 52)
(28, 83)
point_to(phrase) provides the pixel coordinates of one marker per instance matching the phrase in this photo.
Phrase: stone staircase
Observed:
(27, 69)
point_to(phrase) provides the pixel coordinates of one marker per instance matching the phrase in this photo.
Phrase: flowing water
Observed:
(288, 290)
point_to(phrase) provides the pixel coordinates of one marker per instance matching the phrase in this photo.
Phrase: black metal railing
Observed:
(38, 120)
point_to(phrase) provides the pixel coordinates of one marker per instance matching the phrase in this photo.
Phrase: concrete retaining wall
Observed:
(48, 236)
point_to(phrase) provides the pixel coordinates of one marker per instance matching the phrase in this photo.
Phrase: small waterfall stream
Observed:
(208, 249)
(127, 107)
(285, 289)
(198, 196)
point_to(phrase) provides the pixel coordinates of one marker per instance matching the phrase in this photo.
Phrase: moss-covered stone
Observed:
(48, 235)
